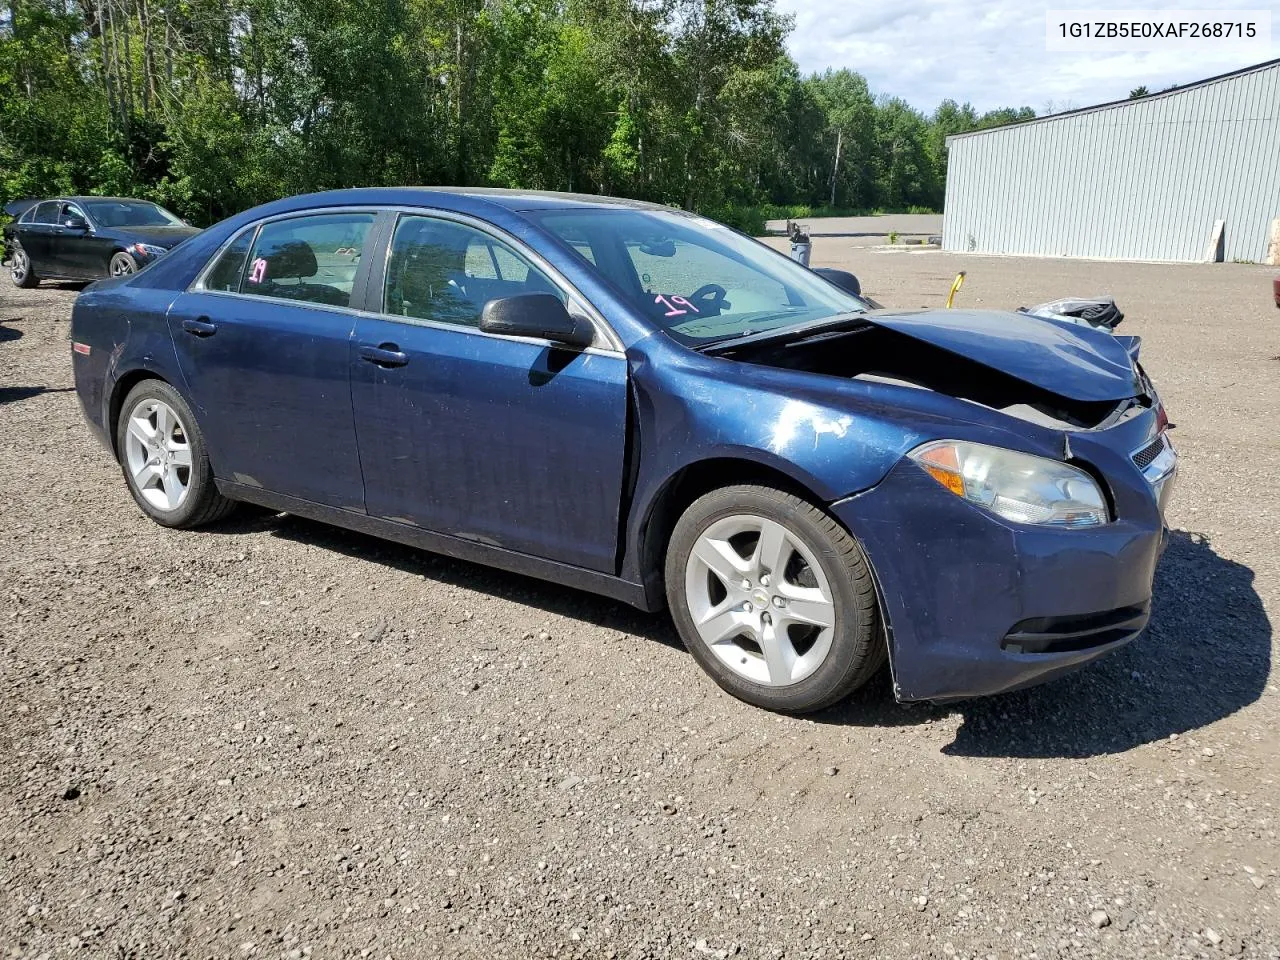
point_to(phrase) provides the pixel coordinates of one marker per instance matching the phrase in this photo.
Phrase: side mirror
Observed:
(75, 223)
(841, 278)
(656, 247)
(539, 315)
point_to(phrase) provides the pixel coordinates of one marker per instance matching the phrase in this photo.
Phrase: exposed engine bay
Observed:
(881, 355)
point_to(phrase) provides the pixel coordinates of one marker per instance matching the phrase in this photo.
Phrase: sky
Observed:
(992, 53)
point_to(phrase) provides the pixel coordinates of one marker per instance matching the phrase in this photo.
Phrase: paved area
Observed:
(904, 224)
(277, 739)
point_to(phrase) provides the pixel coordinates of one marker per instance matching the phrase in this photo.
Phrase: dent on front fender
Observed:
(691, 409)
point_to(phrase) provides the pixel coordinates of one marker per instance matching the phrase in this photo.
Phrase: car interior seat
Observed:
(295, 260)
(427, 279)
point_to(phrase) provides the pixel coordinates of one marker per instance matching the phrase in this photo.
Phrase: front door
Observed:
(77, 251)
(510, 442)
(264, 346)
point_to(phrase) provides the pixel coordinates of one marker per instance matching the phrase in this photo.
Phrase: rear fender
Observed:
(119, 336)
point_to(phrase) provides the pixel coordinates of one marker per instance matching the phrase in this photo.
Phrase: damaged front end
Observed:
(1023, 366)
(976, 602)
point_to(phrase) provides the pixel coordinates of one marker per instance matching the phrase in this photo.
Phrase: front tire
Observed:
(21, 271)
(164, 458)
(122, 265)
(773, 598)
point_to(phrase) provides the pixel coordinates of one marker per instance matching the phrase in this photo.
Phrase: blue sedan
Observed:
(639, 402)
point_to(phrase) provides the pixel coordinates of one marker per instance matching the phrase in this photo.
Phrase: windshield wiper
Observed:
(797, 331)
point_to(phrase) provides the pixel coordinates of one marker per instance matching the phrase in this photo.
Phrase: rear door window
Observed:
(311, 258)
(47, 212)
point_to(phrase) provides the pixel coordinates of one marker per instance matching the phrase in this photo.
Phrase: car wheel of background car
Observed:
(122, 265)
(773, 598)
(164, 459)
(20, 269)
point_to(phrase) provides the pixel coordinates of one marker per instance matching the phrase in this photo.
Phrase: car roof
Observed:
(514, 200)
(84, 199)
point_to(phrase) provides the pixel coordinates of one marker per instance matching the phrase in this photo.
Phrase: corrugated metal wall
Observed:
(1140, 180)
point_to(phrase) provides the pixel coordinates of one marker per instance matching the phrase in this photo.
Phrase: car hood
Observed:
(166, 237)
(1071, 361)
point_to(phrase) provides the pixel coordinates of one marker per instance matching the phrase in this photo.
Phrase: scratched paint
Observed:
(797, 419)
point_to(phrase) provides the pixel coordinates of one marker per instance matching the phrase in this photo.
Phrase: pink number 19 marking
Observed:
(259, 270)
(673, 310)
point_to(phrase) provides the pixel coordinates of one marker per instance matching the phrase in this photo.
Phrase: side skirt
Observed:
(450, 546)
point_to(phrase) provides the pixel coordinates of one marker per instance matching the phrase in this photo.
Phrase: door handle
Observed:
(200, 328)
(384, 355)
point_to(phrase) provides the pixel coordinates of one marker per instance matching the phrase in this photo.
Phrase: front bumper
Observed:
(975, 605)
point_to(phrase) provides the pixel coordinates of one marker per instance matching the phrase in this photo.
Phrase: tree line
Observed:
(212, 106)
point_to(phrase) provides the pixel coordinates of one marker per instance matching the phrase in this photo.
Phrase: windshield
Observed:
(695, 279)
(130, 213)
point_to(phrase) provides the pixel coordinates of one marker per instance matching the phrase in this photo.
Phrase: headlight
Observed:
(1016, 486)
(148, 250)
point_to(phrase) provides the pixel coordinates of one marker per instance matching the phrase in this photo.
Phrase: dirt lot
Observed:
(275, 739)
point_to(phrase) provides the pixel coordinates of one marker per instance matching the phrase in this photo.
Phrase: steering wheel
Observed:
(709, 297)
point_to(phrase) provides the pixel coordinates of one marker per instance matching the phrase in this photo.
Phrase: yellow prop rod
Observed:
(955, 288)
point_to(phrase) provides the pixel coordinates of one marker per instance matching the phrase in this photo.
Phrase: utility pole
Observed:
(835, 169)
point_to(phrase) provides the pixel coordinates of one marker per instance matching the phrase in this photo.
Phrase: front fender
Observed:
(691, 409)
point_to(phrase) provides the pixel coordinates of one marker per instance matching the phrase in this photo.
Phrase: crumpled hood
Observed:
(1076, 362)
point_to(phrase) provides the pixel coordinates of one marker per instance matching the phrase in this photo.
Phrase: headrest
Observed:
(442, 246)
(294, 258)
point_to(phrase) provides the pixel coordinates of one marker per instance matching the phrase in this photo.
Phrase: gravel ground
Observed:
(277, 739)
(876, 228)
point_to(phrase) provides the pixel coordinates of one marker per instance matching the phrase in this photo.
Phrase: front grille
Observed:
(1144, 457)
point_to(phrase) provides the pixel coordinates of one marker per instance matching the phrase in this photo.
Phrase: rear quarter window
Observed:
(227, 270)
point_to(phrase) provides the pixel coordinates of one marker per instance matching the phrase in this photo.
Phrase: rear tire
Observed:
(773, 598)
(21, 271)
(165, 460)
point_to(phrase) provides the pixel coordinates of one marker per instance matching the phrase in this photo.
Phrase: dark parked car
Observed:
(639, 402)
(83, 238)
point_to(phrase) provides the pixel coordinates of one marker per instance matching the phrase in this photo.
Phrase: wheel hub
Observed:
(159, 463)
(759, 600)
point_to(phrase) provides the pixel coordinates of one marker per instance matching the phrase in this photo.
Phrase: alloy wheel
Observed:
(121, 266)
(158, 454)
(20, 266)
(759, 600)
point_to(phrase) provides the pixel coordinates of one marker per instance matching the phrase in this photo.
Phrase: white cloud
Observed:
(992, 52)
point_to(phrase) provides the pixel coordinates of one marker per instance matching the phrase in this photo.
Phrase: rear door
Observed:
(37, 238)
(263, 340)
(507, 441)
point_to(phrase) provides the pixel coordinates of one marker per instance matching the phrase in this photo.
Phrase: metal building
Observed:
(1145, 179)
